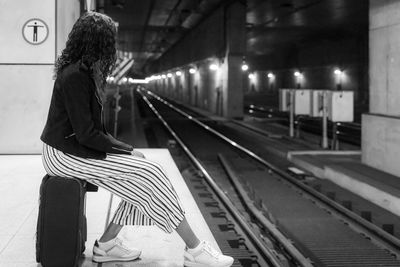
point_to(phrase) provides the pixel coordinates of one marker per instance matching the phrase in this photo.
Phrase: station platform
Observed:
(345, 169)
(342, 167)
(19, 189)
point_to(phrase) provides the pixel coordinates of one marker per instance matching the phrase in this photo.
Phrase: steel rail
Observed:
(344, 126)
(220, 193)
(286, 244)
(354, 125)
(273, 230)
(380, 235)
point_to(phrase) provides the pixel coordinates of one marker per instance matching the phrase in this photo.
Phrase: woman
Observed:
(76, 144)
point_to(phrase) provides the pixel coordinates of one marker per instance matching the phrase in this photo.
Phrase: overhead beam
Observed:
(144, 30)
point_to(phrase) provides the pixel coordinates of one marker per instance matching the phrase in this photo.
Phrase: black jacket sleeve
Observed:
(77, 91)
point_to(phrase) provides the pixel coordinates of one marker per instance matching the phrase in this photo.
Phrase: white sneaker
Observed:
(114, 250)
(206, 256)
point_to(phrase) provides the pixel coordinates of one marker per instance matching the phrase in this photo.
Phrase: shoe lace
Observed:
(122, 246)
(210, 250)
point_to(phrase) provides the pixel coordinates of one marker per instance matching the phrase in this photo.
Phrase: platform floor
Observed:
(19, 190)
(347, 171)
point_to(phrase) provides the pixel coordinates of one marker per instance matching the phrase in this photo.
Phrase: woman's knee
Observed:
(158, 167)
(152, 165)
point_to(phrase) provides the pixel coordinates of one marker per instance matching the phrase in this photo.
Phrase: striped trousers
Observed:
(148, 197)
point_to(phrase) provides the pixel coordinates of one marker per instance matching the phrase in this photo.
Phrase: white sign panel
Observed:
(302, 99)
(341, 106)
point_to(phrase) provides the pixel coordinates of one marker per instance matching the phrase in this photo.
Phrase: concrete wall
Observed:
(27, 69)
(318, 63)
(381, 128)
(381, 142)
(216, 91)
(202, 89)
(385, 57)
(219, 39)
(317, 60)
(313, 77)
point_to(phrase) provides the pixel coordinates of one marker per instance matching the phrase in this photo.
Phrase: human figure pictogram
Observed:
(35, 30)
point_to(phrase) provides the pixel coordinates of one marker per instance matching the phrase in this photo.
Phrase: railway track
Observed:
(284, 221)
(344, 132)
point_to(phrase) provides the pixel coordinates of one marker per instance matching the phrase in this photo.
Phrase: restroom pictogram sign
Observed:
(35, 31)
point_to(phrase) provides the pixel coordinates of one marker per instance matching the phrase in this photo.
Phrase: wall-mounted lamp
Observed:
(169, 75)
(339, 74)
(163, 76)
(213, 66)
(178, 73)
(271, 80)
(299, 78)
(245, 67)
(192, 70)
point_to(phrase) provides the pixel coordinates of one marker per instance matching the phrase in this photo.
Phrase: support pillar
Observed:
(381, 127)
(235, 36)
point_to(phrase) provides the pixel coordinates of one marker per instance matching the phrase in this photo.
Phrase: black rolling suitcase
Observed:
(61, 226)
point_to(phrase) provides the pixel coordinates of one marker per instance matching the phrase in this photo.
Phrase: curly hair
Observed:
(91, 39)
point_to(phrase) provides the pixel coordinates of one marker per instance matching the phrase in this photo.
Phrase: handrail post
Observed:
(291, 113)
(324, 121)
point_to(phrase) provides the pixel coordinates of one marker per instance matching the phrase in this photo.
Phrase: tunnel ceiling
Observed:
(148, 28)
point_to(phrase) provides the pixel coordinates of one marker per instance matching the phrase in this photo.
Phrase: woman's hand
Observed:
(137, 154)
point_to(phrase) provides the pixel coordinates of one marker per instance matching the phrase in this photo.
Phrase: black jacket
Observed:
(74, 123)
